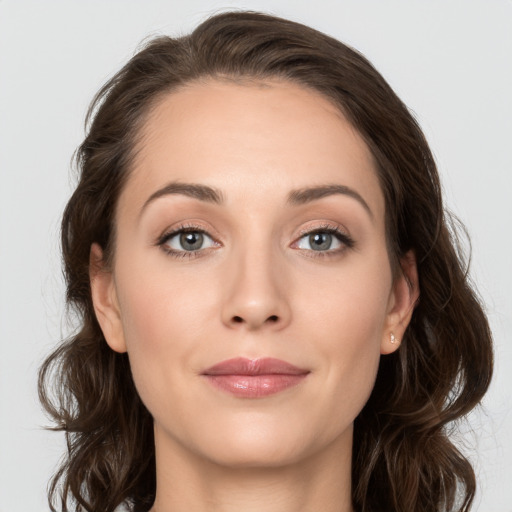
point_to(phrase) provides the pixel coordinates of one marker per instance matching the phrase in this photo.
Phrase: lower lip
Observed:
(254, 386)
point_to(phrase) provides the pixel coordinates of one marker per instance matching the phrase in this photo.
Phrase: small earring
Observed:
(392, 339)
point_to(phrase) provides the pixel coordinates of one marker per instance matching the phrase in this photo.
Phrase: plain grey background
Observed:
(450, 61)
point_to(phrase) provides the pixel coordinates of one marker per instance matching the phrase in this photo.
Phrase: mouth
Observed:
(254, 378)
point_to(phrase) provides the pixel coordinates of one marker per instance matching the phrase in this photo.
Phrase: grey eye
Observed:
(319, 241)
(189, 241)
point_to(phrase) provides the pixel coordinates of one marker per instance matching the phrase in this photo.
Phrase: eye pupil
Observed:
(320, 241)
(191, 241)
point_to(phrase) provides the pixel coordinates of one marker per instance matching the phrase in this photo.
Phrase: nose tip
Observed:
(255, 297)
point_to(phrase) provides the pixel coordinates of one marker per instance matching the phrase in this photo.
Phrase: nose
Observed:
(256, 294)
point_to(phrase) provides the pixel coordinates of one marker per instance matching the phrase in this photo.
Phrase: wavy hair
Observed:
(403, 456)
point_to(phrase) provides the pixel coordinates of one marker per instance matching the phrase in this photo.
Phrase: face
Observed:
(251, 226)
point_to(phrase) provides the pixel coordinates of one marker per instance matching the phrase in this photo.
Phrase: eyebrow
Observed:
(295, 198)
(194, 190)
(306, 195)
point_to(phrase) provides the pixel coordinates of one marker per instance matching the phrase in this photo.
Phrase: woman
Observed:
(275, 314)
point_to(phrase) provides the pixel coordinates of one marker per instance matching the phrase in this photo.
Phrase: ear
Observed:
(104, 299)
(402, 300)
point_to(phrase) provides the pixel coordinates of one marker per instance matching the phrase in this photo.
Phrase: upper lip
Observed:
(263, 366)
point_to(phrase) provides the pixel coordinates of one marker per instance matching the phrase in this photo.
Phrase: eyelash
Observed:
(344, 238)
(341, 236)
(185, 228)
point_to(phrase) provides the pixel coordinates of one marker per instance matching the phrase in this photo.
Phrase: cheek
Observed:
(164, 319)
(349, 305)
(159, 306)
(346, 321)
(351, 345)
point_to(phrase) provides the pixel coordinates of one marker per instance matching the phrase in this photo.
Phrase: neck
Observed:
(188, 482)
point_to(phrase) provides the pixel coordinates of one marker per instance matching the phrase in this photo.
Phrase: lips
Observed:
(254, 378)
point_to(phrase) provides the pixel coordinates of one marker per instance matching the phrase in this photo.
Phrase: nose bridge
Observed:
(256, 295)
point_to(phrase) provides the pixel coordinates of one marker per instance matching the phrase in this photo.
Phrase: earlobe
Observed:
(403, 299)
(104, 299)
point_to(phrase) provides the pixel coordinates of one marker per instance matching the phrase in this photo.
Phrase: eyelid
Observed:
(324, 226)
(181, 228)
(341, 234)
(187, 227)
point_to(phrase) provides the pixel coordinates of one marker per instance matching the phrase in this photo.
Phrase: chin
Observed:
(265, 444)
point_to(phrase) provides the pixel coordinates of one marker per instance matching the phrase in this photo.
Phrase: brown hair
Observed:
(403, 458)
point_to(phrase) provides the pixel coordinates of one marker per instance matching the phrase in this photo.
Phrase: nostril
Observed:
(239, 320)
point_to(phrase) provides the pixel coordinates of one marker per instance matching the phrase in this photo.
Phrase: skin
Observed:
(256, 288)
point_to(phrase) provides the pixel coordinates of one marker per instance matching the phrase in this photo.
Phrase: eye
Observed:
(186, 240)
(328, 239)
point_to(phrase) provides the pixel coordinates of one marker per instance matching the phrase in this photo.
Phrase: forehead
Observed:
(262, 138)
